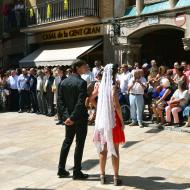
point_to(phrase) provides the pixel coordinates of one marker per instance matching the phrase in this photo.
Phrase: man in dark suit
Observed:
(71, 98)
(33, 91)
(62, 76)
(48, 93)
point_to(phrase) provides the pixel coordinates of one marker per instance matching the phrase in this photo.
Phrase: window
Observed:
(132, 2)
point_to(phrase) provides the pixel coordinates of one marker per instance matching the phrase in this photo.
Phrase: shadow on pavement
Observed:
(152, 183)
(88, 164)
(130, 143)
(137, 182)
(31, 189)
(154, 130)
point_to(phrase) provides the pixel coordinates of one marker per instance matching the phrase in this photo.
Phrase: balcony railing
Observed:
(57, 10)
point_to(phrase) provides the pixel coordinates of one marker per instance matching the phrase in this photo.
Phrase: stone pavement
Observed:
(30, 146)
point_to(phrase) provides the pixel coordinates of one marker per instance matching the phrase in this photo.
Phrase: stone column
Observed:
(186, 39)
(133, 53)
(109, 50)
(106, 9)
(119, 8)
(139, 6)
(172, 3)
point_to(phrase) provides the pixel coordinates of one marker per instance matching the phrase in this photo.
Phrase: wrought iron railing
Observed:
(57, 10)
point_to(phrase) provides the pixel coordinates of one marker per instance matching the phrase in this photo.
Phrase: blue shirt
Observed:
(23, 82)
(12, 81)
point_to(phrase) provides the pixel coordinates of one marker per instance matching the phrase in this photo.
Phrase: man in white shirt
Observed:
(97, 68)
(14, 95)
(123, 80)
(40, 91)
(88, 76)
(136, 88)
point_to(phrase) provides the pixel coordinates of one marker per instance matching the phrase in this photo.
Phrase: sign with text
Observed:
(85, 31)
(180, 20)
(153, 20)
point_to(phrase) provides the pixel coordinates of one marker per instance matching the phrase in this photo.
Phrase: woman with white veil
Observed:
(108, 133)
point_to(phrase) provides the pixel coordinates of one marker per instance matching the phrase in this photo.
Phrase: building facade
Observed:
(12, 41)
(58, 32)
(153, 29)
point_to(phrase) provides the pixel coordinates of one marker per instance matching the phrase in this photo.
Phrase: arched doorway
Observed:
(163, 43)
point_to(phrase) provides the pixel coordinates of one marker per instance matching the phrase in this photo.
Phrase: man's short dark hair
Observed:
(62, 68)
(78, 63)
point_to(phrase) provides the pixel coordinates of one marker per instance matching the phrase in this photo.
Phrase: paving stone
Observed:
(30, 146)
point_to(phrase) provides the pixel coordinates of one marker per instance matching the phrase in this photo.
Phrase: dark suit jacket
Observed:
(71, 99)
(33, 83)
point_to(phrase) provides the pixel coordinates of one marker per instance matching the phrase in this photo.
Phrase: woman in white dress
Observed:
(108, 133)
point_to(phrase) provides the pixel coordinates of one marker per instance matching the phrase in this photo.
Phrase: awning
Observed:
(156, 7)
(130, 12)
(148, 8)
(183, 3)
(55, 55)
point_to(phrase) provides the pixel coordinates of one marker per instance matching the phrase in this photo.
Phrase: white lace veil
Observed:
(105, 117)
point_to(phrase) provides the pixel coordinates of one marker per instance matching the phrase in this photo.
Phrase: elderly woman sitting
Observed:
(164, 96)
(177, 103)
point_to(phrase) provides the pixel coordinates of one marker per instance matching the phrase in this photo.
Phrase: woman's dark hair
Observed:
(2, 75)
(115, 70)
(48, 69)
(170, 72)
(18, 71)
(100, 73)
(180, 69)
(182, 85)
(76, 64)
(162, 69)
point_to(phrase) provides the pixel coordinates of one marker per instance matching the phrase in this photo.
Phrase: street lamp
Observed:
(115, 31)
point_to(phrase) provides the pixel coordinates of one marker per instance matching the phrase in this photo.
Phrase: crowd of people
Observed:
(165, 91)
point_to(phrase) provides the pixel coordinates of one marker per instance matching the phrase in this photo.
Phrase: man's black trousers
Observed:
(80, 131)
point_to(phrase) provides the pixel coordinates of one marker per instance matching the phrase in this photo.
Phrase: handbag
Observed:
(173, 105)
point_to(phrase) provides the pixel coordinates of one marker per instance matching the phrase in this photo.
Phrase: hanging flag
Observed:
(48, 10)
(66, 5)
(31, 12)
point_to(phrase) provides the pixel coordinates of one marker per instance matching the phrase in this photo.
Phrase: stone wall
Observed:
(151, 1)
(106, 8)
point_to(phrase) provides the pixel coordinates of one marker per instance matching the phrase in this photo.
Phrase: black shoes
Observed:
(20, 111)
(63, 174)
(59, 123)
(32, 111)
(50, 114)
(79, 176)
(76, 175)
